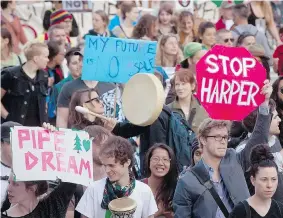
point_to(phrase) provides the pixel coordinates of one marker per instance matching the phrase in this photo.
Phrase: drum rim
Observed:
(125, 209)
(158, 104)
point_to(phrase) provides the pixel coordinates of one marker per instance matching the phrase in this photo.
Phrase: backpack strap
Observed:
(204, 179)
(20, 61)
(247, 209)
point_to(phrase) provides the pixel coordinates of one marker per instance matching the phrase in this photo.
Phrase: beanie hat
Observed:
(191, 48)
(59, 16)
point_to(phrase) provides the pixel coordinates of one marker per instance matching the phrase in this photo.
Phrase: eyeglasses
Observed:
(218, 138)
(231, 40)
(156, 160)
(281, 90)
(96, 99)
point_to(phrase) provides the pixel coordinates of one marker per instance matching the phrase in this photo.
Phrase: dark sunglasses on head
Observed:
(96, 99)
(231, 40)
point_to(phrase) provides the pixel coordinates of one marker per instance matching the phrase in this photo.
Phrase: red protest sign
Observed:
(229, 82)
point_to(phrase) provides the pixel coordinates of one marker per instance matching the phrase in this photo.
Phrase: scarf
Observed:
(113, 191)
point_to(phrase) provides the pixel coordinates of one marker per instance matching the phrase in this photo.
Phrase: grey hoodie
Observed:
(259, 36)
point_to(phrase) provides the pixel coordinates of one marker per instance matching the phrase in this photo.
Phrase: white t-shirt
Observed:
(5, 171)
(90, 203)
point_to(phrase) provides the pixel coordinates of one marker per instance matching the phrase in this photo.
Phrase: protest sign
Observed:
(110, 59)
(39, 154)
(77, 5)
(229, 81)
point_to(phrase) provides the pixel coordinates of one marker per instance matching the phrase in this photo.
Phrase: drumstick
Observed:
(84, 110)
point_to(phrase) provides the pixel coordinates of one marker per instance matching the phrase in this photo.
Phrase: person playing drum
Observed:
(116, 155)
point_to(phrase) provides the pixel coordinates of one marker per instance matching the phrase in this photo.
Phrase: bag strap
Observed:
(199, 174)
(247, 209)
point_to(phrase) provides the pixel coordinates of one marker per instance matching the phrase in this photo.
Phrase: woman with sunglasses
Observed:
(162, 174)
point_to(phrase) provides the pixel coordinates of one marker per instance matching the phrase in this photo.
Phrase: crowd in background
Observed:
(41, 85)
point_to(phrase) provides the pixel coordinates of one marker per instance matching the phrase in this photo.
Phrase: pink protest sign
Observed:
(229, 81)
(39, 154)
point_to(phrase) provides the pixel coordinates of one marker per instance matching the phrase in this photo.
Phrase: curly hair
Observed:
(144, 27)
(118, 148)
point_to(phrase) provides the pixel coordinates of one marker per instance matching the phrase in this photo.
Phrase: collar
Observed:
(176, 104)
(41, 75)
(207, 167)
(5, 165)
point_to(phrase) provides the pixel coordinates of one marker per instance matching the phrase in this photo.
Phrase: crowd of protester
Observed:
(222, 169)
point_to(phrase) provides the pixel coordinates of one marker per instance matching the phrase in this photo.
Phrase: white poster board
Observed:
(39, 154)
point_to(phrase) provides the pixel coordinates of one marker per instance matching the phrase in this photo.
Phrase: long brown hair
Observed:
(144, 27)
(77, 120)
(166, 190)
(161, 59)
(182, 35)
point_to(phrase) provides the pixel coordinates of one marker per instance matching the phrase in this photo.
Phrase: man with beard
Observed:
(277, 96)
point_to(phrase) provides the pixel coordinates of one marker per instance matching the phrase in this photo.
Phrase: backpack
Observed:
(179, 138)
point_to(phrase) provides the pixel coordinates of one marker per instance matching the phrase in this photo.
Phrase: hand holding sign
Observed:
(266, 90)
(48, 155)
(229, 79)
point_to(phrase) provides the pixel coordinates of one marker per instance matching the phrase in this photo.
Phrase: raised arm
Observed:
(260, 133)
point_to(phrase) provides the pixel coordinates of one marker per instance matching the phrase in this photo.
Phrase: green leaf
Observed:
(86, 144)
(217, 2)
(238, 1)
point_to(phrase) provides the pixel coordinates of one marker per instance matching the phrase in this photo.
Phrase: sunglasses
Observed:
(96, 99)
(231, 40)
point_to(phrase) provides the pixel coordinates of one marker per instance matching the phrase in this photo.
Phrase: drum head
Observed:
(122, 204)
(143, 99)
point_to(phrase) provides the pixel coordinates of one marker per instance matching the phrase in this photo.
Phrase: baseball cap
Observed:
(5, 130)
(191, 48)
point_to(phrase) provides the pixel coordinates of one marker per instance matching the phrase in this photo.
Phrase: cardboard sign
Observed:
(39, 154)
(229, 82)
(77, 5)
(110, 59)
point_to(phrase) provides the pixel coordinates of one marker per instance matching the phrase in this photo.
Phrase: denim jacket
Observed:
(18, 87)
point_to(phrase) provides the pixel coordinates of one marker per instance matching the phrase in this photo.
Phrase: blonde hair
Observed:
(34, 49)
(161, 59)
(208, 124)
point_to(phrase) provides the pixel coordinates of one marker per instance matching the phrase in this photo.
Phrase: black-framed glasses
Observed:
(218, 138)
(156, 160)
(229, 39)
(96, 99)
(281, 90)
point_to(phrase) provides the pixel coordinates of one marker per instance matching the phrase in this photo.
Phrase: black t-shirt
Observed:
(54, 205)
(275, 211)
(106, 92)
